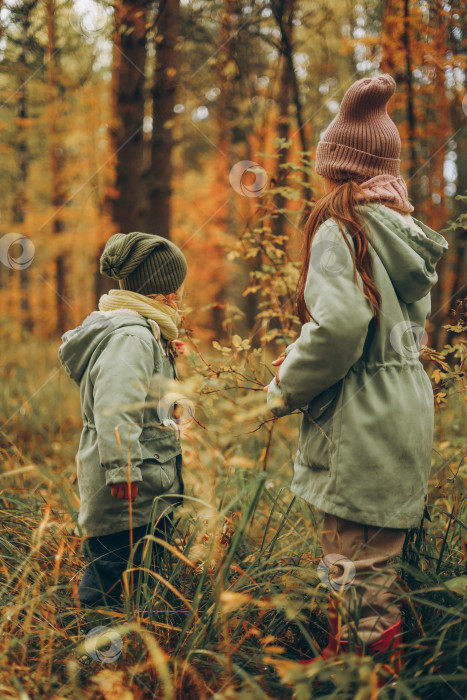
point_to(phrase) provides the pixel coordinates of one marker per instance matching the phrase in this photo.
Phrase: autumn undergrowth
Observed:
(238, 599)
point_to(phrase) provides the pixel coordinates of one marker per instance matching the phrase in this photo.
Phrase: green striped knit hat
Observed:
(144, 263)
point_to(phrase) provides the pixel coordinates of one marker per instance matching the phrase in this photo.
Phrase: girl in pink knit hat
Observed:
(355, 374)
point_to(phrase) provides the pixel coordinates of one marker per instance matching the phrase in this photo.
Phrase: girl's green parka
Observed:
(367, 425)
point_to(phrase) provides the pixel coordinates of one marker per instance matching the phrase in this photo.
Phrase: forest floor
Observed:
(240, 600)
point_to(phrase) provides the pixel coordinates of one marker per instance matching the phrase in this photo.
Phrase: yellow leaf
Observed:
(250, 557)
(251, 290)
(438, 375)
(219, 347)
(241, 462)
(111, 685)
(232, 601)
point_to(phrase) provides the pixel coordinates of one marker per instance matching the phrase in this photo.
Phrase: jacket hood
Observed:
(409, 257)
(80, 343)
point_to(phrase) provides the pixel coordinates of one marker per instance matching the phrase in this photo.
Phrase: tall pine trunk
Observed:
(407, 39)
(443, 293)
(228, 77)
(129, 62)
(20, 198)
(284, 99)
(398, 44)
(56, 166)
(160, 172)
(284, 13)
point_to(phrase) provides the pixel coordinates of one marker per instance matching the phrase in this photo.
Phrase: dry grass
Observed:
(239, 600)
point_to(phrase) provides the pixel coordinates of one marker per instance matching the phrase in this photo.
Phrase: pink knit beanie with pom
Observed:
(362, 141)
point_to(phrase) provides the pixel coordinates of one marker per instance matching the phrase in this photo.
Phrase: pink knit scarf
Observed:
(389, 190)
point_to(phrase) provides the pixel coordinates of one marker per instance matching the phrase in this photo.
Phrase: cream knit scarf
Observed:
(167, 318)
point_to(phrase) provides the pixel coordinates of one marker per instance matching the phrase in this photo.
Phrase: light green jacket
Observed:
(123, 373)
(366, 433)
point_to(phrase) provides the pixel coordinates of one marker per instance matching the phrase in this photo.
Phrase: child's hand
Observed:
(179, 346)
(279, 360)
(121, 491)
(277, 363)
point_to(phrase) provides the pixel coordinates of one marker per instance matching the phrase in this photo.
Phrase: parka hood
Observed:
(409, 257)
(80, 343)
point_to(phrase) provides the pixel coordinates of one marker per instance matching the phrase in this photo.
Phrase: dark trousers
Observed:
(101, 583)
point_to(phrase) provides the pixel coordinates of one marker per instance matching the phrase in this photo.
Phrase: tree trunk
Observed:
(20, 198)
(397, 46)
(283, 100)
(460, 275)
(159, 176)
(56, 166)
(444, 291)
(410, 98)
(227, 72)
(129, 62)
(284, 14)
(102, 283)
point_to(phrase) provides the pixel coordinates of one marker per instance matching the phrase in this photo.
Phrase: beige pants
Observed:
(369, 605)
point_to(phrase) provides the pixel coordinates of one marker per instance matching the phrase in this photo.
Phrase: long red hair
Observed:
(339, 204)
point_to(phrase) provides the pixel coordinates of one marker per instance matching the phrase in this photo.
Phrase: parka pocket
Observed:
(323, 401)
(160, 444)
(159, 448)
(316, 444)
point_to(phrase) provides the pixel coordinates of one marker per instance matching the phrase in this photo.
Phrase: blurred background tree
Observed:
(121, 116)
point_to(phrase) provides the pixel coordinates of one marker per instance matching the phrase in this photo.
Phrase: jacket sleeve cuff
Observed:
(289, 348)
(119, 475)
(276, 400)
